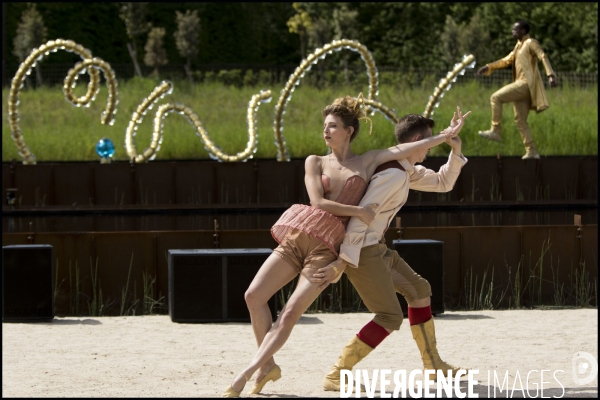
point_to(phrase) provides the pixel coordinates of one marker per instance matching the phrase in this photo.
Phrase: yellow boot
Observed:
(424, 335)
(354, 351)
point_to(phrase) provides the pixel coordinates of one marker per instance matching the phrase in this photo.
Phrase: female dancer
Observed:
(309, 237)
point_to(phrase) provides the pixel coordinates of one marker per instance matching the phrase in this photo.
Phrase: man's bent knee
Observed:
(389, 321)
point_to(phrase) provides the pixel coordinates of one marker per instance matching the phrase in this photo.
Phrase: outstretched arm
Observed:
(499, 64)
(314, 187)
(404, 150)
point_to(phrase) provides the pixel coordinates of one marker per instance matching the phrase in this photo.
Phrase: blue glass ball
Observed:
(105, 148)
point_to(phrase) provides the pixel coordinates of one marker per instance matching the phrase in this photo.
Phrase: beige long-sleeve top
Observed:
(389, 188)
(524, 61)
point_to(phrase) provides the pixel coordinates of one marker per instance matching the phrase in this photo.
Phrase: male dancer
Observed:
(382, 272)
(527, 90)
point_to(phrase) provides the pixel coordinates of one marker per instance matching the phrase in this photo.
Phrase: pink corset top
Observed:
(326, 227)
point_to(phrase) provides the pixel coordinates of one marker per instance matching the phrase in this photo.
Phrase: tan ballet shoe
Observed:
(229, 392)
(273, 375)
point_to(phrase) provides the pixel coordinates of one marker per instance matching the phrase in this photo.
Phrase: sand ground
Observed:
(151, 356)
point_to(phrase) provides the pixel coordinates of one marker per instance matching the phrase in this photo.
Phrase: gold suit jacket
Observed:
(526, 54)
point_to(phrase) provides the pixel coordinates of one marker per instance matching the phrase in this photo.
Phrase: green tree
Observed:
(134, 16)
(31, 33)
(186, 37)
(156, 55)
(344, 27)
(474, 39)
(460, 39)
(300, 23)
(450, 41)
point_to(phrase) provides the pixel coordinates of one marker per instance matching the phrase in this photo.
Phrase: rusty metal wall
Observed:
(265, 181)
(468, 252)
(13, 222)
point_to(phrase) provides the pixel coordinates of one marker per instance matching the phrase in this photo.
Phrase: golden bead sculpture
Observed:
(213, 150)
(468, 61)
(91, 65)
(305, 66)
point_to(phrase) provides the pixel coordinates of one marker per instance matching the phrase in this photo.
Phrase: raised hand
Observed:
(456, 124)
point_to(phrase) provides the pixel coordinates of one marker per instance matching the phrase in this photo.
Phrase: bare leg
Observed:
(272, 276)
(303, 296)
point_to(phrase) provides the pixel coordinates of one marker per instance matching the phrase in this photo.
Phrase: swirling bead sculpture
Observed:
(31, 61)
(108, 115)
(305, 66)
(214, 151)
(387, 112)
(468, 61)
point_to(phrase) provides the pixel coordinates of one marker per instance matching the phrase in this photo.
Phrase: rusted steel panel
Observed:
(114, 253)
(464, 247)
(73, 265)
(194, 183)
(15, 238)
(6, 181)
(549, 256)
(113, 184)
(561, 178)
(521, 180)
(588, 177)
(589, 238)
(496, 250)
(72, 184)
(154, 183)
(235, 183)
(246, 239)
(277, 182)
(35, 185)
(479, 179)
(115, 223)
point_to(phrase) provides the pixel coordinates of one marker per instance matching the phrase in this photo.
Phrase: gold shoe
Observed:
(531, 154)
(491, 135)
(273, 375)
(229, 392)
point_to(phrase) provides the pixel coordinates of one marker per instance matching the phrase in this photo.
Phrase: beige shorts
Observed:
(301, 250)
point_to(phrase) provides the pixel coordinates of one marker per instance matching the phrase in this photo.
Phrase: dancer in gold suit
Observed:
(527, 90)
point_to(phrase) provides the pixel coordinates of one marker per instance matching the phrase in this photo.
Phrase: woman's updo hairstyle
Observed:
(349, 110)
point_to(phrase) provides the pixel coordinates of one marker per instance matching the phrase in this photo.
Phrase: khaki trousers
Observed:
(518, 94)
(380, 274)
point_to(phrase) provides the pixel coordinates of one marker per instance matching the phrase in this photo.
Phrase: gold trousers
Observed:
(518, 94)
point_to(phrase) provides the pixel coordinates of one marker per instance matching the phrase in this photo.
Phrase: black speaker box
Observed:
(208, 285)
(426, 258)
(27, 283)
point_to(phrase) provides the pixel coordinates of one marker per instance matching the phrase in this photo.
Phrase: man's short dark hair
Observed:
(524, 25)
(410, 126)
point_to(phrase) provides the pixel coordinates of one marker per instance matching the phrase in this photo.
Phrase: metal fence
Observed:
(54, 74)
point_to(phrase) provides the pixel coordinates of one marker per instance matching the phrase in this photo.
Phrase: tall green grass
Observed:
(56, 131)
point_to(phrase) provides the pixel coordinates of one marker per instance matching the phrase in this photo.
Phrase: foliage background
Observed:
(404, 35)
